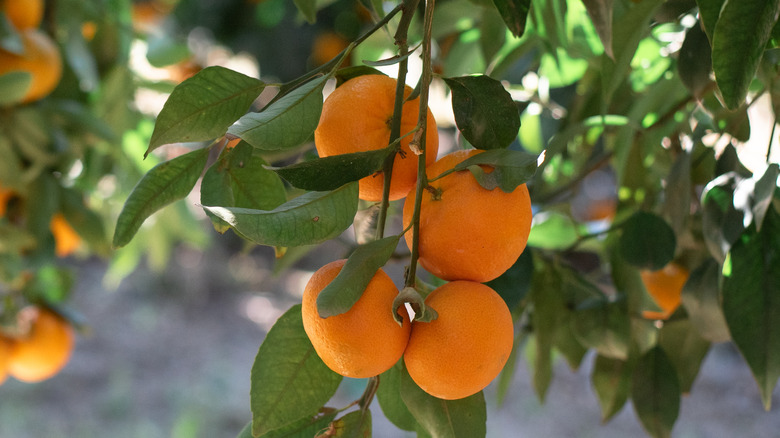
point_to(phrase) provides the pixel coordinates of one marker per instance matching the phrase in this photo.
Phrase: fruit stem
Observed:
(401, 40)
(419, 140)
(369, 393)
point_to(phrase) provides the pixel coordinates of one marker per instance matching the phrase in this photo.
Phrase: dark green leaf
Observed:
(204, 106)
(289, 381)
(356, 424)
(462, 418)
(655, 393)
(13, 86)
(722, 224)
(549, 307)
(685, 349)
(763, 194)
(604, 326)
(677, 194)
(344, 74)
(330, 173)
(611, 380)
(600, 12)
(285, 123)
(514, 284)
(308, 9)
(647, 241)
(701, 299)
(389, 397)
(751, 301)
(709, 10)
(87, 223)
(313, 217)
(510, 168)
(738, 41)
(346, 289)
(239, 179)
(303, 428)
(163, 184)
(695, 61)
(484, 111)
(514, 13)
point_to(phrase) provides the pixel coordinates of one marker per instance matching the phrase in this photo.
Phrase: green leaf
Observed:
(738, 41)
(600, 12)
(289, 381)
(239, 179)
(722, 224)
(655, 393)
(87, 223)
(330, 173)
(13, 86)
(677, 194)
(549, 308)
(763, 194)
(492, 33)
(709, 11)
(647, 242)
(304, 428)
(313, 217)
(552, 230)
(695, 61)
(685, 349)
(484, 111)
(285, 123)
(164, 183)
(510, 168)
(514, 13)
(346, 289)
(204, 106)
(514, 284)
(389, 397)
(462, 418)
(701, 299)
(308, 9)
(751, 301)
(611, 380)
(356, 424)
(604, 326)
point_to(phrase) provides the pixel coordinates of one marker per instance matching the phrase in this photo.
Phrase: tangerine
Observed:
(23, 14)
(5, 357)
(466, 231)
(357, 117)
(41, 58)
(665, 287)
(46, 347)
(66, 239)
(460, 352)
(364, 341)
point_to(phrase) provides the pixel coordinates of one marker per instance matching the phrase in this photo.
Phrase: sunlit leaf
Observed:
(204, 106)
(167, 182)
(751, 301)
(285, 123)
(310, 218)
(738, 41)
(289, 381)
(552, 231)
(655, 392)
(330, 173)
(484, 111)
(346, 289)
(600, 12)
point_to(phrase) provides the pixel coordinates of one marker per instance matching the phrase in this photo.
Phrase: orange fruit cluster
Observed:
(665, 287)
(357, 116)
(40, 56)
(41, 350)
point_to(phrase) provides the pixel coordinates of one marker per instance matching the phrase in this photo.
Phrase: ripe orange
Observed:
(45, 349)
(665, 286)
(366, 340)
(5, 196)
(41, 59)
(466, 231)
(357, 116)
(460, 352)
(66, 240)
(326, 46)
(23, 14)
(5, 357)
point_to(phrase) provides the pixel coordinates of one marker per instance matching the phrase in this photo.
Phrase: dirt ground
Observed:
(169, 355)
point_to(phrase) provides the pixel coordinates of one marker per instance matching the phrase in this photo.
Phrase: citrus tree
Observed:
(605, 195)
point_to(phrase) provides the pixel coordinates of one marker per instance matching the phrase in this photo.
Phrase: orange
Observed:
(5, 357)
(460, 352)
(5, 196)
(357, 116)
(326, 46)
(66, 240)
(665, 286)
(364, 341)
(41, 58)
(466, 231)
(23, 14)
(45, 349)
